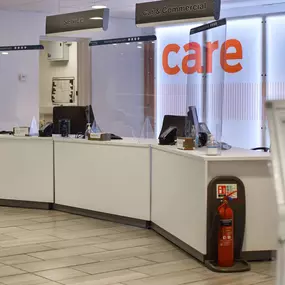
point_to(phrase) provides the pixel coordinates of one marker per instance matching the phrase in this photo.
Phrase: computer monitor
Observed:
(193, 117)
(174, 121)
(76, 115)
(89, 114)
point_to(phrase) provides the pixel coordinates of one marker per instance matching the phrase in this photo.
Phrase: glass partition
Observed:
(19, 86)
(123, 86)
(206, 71)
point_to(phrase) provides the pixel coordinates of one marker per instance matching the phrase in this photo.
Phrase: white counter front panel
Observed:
(179, 196)
(26, 169)
(111, 178)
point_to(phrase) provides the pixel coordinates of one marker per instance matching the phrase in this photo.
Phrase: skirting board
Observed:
(25, 204)
(103, 216)
(248, 255)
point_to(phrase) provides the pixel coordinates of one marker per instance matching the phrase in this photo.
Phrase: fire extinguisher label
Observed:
(226, 223)
(226, 236)
(225, 189)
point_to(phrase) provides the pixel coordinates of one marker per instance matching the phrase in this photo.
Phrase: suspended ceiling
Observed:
(119, 8)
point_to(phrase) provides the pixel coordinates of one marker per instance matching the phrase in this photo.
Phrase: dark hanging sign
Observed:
(21, 48)
(209, 26)
(160, 12)
(123, 40)
(95, 19)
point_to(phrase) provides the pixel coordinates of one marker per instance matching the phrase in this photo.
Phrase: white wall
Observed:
(19, 100)
(50, 69)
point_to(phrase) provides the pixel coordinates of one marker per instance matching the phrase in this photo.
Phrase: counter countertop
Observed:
(226, 155)
(10, 137)
(132, 142)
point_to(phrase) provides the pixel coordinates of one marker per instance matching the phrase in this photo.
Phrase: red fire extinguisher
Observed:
(226, 234)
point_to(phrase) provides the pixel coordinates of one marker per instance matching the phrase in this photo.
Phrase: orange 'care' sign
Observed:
(193, 52)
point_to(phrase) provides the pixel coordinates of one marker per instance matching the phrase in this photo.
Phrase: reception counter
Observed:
(139, 183)
(179, 197)
(105, 177)
(26, 168)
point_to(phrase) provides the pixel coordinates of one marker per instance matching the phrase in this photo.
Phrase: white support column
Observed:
(84, 72)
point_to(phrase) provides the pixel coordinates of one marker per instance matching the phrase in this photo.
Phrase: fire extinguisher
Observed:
(226, 234)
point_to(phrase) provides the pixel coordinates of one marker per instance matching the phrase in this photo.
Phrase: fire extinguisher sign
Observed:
(225, 189)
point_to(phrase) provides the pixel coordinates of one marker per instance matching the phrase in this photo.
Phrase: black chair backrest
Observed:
(174, 121)
(264, 149)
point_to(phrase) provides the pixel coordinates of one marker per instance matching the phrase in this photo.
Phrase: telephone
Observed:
(46, 130)
(169, 136)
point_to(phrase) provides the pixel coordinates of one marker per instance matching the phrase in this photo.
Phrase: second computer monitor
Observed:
(76, 115)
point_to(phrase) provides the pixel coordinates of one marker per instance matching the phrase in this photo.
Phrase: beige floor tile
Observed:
(17, 259)
(168, 267)
(54, 224)
(70, 251)
(272, 281)
(130, 243)
(17, 250)
(9, 270)
(4, 237)
(76, 242)
(55, 218)
(126, 228)
(61, 274)
(234, 279)
(119, 254)
(132, 235)
(89, 225)
(28, 241)
(50, 283)
(160, 247)
(105, 278)
(267, 268)
(37, 233)
(86, 233)
(107, 266)
(127, 255)
(12, 230)
(54, 263)
(166, 256)
(23, 279)
(39, 226)
(176, 278)
(16, 223)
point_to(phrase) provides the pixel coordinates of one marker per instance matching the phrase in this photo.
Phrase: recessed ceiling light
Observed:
(5, 52)
(99, 7)
(127, 43)
(139, 46)
(96, 18)
(114, 44)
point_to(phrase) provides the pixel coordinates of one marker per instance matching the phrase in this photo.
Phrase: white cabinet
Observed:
(57, 51)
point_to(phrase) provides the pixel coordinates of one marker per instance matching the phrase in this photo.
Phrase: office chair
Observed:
(264, 149)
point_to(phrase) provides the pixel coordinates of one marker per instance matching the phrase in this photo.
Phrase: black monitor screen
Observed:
(174, 121)
(75, 114)
(89, 114)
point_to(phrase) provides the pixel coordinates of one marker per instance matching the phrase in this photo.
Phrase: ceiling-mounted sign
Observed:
(21, 48)
(165, 11)
(129, 40)
(95, 19)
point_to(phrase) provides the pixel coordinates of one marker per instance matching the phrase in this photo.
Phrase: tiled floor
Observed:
(49, 248)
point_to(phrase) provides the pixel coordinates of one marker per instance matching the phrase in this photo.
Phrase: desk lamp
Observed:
(276, 122)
